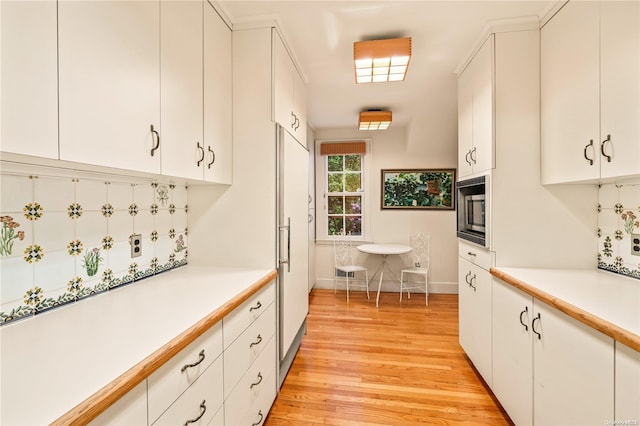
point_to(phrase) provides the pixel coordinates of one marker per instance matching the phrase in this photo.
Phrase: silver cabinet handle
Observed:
(259, 421)
(256, 383)
(604, 142)
(202, 157)
(157, 144)
(473, 157)
(213, 157)
(200, 359)
(590, 160)
(258, 306)
(257, 342)
(287, 261)
(471, 282)
(466, 157)
(203, 409)
(470, 253)
(533, 326)
(466, 278)
(526, 311)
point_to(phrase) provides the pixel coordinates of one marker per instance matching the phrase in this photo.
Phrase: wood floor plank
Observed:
(399, 364)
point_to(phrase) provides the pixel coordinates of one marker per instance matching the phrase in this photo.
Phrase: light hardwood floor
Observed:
(400, 364)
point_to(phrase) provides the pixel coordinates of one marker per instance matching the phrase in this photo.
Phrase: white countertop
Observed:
(610, 297)
(67, 354)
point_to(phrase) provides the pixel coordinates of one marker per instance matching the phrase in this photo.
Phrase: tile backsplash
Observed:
(63, 239)
(619, 229)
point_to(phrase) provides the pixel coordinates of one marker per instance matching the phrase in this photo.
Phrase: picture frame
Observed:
(418, 189)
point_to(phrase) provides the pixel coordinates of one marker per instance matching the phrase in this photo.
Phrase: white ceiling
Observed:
(321, 35)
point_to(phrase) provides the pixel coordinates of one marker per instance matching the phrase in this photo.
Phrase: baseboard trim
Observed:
(392, 286)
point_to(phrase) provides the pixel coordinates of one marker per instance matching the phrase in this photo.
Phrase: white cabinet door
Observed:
(131, 409)
(29, 87)
(475, 112)
(217, 98)
(620, 88)
(109, 80)
(627, 383)
(512, 352)
(181, 39)
(474, 294)
(573, 370)
(569, 94)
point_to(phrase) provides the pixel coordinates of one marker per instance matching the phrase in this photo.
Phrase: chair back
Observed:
(420, 246)
(342, 250)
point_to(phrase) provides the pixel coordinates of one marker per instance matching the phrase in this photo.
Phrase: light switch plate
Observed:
(635, 244)
(136, 245)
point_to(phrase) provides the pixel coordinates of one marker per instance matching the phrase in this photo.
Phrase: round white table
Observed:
(383, 250)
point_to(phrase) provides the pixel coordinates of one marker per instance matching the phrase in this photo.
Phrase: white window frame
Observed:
(322, 232)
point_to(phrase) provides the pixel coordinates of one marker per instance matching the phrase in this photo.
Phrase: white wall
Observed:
(392, 149)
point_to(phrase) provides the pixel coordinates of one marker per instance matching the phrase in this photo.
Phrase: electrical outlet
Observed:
(635, 244)
(136, 245)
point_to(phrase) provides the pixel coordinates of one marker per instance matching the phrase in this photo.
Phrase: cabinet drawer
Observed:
(170, 380)
(251, 400)
(474, 254)
(203, 398)
(247, 348)
(241, 317)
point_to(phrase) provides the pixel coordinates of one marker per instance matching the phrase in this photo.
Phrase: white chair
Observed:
(420, 245)
(344, 264)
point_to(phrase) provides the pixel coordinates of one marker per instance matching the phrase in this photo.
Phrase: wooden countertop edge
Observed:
(616, 332)
(93, 406)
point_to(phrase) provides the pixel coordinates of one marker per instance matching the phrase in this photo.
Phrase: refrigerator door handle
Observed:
(287, 228)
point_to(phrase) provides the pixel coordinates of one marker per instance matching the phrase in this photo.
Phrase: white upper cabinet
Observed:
(475, 113)
(289, 93)
(181, 40)
(217, 98)
(590, 92)
(109, 79)
(29, 101)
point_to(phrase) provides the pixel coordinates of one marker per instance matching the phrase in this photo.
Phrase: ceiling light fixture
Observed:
(381, 60)
(374, 120)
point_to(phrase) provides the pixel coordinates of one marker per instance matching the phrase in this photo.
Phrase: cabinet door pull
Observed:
(202, 157)
(590, 160)
(259, 421)
(470, 253)
(200, 359)
(466, 157)
(526, 311)
(258, 382)
(473, 157)
(471, 282)
(533, 326)
(604, 142)
(157, 144)
(257, 342)
(293, 120)
(466, 278)
(203, 409)
(258, 306)
(213, 158)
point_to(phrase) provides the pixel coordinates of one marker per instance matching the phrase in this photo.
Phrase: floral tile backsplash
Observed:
(618, 227)
(63, 239)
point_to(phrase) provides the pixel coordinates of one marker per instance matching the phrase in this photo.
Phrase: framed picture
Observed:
(421, 189)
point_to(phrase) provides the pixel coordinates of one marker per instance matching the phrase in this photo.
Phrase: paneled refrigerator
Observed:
(293, 243)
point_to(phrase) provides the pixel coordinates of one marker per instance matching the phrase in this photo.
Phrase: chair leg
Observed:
(379, 285)
(347, 287)
(426, 290)
(401, 280)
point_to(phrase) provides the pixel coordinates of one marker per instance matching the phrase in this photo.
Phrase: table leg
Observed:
(379, 285)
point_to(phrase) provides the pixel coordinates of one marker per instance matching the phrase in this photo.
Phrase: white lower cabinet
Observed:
(201, 401)
(131, 409)
(627, 381)
(475, 315)
(251, 399)
(549, 369)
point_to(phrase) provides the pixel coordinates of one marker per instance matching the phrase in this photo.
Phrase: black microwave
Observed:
(472, 209)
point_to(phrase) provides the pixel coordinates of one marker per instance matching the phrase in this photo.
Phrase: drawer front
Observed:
(202, 400)
(241, 317)
(474, 254)
(171, 380)
(247, 348)
(251, 400)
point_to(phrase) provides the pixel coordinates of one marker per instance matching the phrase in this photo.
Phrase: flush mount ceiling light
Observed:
(374, 120)
(381, 60)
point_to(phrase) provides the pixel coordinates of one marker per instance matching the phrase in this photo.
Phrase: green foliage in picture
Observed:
(418, 189)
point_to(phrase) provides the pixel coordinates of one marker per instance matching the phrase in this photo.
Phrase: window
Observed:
(342, 179)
